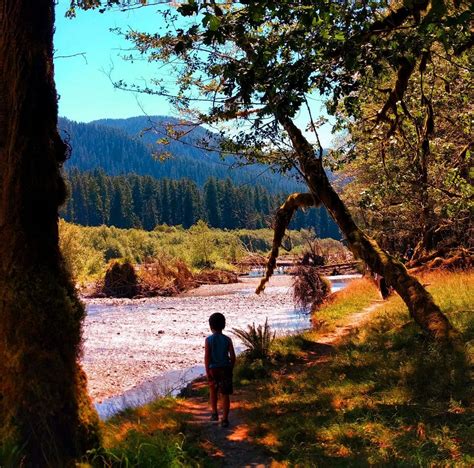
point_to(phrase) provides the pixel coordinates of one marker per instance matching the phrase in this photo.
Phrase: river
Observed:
(135, 350)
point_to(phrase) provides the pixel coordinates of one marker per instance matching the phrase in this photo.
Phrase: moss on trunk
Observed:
(44, 407)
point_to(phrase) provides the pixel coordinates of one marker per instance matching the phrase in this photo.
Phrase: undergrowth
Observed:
(389, 397)
(154, 435)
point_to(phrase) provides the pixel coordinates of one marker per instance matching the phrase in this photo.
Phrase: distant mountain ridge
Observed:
(121, 146)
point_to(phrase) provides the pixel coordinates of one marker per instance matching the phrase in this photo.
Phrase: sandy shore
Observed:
(128, 342)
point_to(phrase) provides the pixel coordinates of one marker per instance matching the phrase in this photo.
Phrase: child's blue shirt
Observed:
(219, 345)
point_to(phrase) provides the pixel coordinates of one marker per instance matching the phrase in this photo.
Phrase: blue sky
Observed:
(84, 83)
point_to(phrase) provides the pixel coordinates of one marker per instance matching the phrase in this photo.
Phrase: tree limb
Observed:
(282, 220)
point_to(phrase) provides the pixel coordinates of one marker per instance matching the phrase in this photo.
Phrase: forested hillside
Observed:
(142, 201)
(123, 146)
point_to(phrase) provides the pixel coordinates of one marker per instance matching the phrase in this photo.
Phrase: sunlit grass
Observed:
(452, 291)
(357, 295)
(388, 397)
(154, 435)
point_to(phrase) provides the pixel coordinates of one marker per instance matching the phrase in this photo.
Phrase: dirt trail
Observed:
(233, 447)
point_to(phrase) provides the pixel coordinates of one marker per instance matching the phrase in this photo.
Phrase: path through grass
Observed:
(385, 396)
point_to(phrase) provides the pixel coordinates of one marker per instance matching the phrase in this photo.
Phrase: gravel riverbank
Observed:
(134, 348)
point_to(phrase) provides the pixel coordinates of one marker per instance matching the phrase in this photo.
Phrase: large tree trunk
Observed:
(419, 301)
(44, 407)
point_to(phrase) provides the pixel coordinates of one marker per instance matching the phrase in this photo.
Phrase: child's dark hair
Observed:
(217, 321)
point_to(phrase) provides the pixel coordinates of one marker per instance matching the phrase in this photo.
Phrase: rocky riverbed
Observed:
(152, 345)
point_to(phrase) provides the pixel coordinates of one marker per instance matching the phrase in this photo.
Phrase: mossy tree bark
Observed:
(44, 407)
(420, 303)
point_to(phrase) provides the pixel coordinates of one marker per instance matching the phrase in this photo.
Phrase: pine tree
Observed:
(211, 202)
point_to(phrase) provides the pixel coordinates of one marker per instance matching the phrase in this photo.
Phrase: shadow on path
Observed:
(234, 446)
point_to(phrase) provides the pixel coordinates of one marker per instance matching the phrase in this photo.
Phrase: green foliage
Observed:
(282, 52)
(81, 258)
(257, 341)
(405, 183)
(247, 370)
(87, 248)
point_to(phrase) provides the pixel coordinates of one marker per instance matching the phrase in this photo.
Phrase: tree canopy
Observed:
(258, 63)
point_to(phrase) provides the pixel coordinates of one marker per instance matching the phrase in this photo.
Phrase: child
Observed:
(219, 359)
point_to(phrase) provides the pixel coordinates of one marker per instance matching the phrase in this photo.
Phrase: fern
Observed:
(256, 339)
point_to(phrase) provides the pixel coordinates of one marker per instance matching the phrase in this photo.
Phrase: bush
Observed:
(257, 340)
(120, 280)
(246, 371)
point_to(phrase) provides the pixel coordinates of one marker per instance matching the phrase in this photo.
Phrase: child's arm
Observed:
(207, 358)
(231, 353)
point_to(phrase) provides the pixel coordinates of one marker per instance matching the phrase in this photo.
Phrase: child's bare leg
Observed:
(225, 407)
(213, 395)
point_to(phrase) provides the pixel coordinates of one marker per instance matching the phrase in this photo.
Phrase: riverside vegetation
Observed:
(88, 250)
(385, 396)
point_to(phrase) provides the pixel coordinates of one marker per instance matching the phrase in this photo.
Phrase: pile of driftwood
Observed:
(216, 277)
(252, 260)
(157, 278)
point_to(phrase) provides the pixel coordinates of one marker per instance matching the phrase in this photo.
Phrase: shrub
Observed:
(120, 280)
(245, 371)
(257, 340)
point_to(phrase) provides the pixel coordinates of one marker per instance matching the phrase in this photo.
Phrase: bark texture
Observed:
(44, 407)
(420, 303)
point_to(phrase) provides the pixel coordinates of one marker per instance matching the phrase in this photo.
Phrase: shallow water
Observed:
(135, 350)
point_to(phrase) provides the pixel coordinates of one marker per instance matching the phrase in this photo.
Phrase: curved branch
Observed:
(282, 220)
(404, 72)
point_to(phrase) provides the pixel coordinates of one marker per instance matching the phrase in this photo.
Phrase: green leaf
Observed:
(212, 22)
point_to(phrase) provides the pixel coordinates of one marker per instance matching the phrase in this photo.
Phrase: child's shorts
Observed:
(221, 379)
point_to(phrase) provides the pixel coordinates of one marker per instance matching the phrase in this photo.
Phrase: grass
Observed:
(154, 435)
(388, 397)
(357, 295)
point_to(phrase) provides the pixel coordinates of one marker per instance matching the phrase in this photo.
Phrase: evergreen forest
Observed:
(140, 145)
(145, 202)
